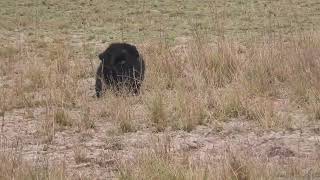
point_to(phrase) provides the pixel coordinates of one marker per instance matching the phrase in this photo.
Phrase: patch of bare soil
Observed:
(95, 153)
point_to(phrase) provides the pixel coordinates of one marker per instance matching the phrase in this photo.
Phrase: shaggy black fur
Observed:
(121, 67)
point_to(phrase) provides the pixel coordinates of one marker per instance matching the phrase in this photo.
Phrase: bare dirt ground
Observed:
(102, 151)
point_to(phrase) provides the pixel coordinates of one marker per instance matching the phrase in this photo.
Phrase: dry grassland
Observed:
(232, 90)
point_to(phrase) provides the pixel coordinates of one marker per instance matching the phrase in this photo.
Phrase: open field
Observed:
(232, 90)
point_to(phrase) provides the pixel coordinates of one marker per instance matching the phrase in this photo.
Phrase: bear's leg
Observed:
(98, 87)
(99, 81)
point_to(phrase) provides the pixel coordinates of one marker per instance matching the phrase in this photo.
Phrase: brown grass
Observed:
(14, 167)
(198, 83)
(162, 163)
(250, 61)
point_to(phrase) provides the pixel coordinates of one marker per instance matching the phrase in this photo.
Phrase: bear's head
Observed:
(118, 54)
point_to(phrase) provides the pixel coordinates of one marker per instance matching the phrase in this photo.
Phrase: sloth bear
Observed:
(121, 67)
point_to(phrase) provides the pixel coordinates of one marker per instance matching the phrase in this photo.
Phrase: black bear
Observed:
(121, 67)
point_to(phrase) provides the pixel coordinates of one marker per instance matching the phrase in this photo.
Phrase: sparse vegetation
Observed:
(229, 165)
(244, 74)
(62, 118)
(80, 155)
(158, 112)
(86, 120)
(14, 167)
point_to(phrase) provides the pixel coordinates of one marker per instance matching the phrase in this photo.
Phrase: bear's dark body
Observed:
(121, 67)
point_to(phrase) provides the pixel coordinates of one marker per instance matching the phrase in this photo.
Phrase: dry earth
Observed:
(39, 35)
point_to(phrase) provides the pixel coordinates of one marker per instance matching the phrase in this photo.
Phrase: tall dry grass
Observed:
(162, 162)
(191, 84)
(196, 83)
(14, 166)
